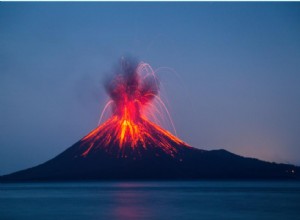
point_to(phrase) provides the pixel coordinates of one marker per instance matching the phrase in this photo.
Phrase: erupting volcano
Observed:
(131, 144)
(128, 133)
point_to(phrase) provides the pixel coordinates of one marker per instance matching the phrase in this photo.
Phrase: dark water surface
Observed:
(150, 200)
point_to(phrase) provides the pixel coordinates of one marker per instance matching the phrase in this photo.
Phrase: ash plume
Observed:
(132, 86)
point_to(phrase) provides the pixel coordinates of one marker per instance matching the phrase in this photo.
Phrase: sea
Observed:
(151, 200)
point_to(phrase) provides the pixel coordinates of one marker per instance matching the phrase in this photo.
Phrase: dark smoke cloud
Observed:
(131, 84)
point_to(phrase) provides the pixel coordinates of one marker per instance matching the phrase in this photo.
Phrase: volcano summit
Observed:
(130, 146)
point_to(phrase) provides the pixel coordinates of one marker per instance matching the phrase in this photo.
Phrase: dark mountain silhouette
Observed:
(160, 156)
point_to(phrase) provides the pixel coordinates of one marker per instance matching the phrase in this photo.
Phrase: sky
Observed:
(230, 73)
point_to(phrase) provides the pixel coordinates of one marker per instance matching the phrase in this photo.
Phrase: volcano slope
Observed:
(156, 155)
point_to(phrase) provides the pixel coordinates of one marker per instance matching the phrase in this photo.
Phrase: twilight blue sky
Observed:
(235, 82)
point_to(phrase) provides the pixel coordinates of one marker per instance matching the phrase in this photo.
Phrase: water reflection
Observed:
(129, 201)
(151, 200)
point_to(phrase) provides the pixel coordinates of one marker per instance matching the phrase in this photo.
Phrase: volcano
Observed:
(129, 146)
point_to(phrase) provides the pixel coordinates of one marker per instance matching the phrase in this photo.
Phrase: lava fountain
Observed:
(134, 98)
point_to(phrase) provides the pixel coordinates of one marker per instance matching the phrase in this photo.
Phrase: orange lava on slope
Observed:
(134, 135)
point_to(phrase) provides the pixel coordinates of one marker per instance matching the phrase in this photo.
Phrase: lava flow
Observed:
(134, 95)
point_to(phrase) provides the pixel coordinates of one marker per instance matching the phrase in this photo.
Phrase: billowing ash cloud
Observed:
(132, 86)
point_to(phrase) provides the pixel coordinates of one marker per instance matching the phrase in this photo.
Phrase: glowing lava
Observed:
(128, 130)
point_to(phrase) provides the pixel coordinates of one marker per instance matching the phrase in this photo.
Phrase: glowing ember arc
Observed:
(131, 90)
